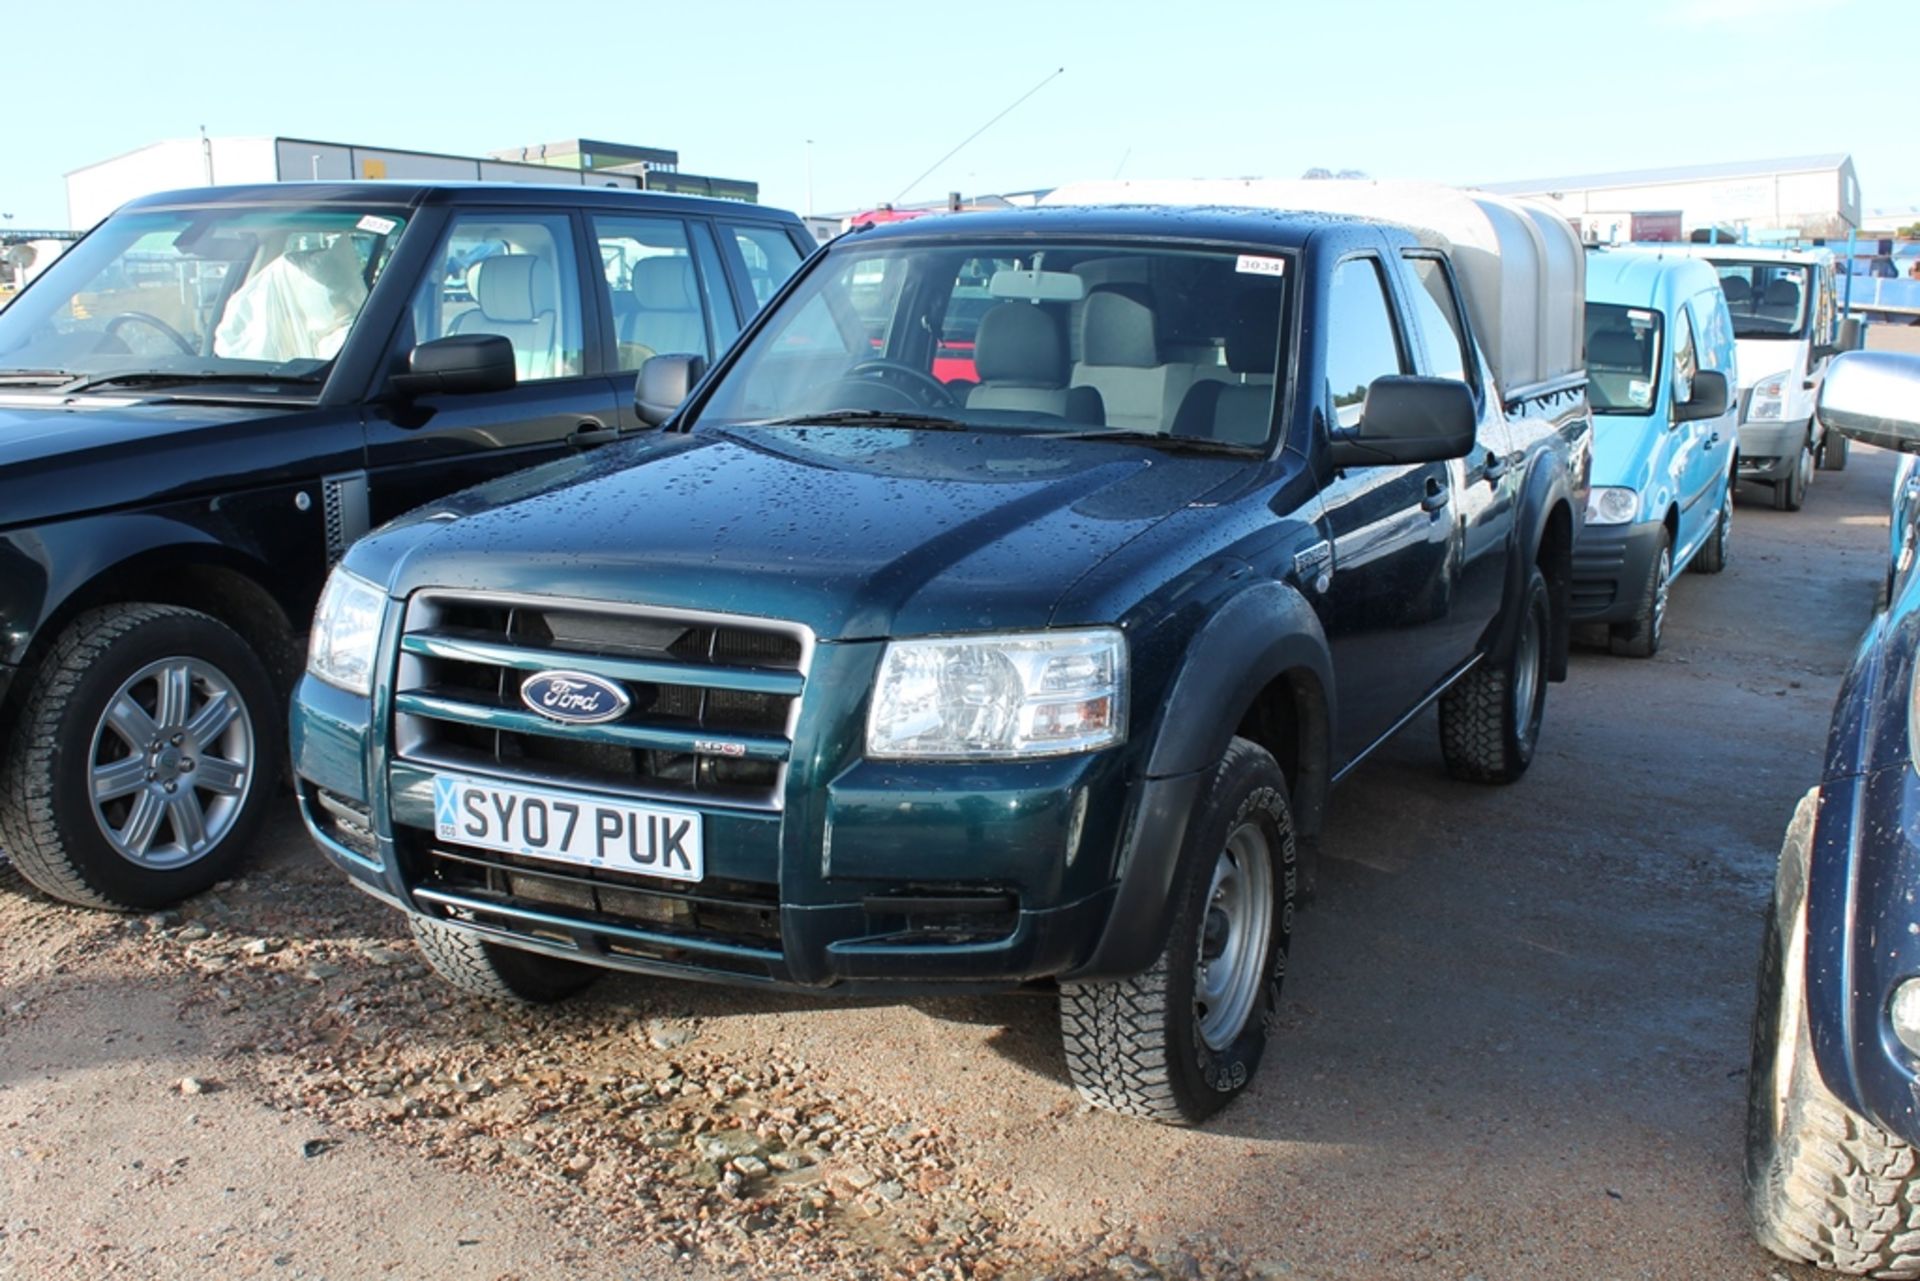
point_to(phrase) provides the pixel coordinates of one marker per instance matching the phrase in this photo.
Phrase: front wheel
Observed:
(1179, 1042)
(1790, 493)
(1490, 718)
(1713, 557)
(1833, 451)
(495, 971)
(1824, 1185)
(143, 761)
(1639, 636)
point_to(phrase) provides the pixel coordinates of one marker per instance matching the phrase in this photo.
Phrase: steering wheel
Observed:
(921, 385)
(152, 322)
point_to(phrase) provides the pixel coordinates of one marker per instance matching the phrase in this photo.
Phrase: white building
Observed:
(1811, 195)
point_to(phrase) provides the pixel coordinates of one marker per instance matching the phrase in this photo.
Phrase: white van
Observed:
(1786, 324)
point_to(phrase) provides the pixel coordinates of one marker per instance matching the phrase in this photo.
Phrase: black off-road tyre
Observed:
(1833, 451)
(1135, 1045)
(1713, 556)
(497, 972)
(47, 824)
(1485, 735)
(1639, 636)
(1825, 1186)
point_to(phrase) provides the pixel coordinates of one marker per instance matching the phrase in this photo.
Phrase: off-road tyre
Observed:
(495, 971)
(1833, 451)
(1485, 736)
(1790, 493)
(1135, 1045)
(1714, 554)
(1639, 636)
(47, 823)
(1824, 1185)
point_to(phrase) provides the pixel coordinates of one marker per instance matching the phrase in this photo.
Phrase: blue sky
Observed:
(1220, 88)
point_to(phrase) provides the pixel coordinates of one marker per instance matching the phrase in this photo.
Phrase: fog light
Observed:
(1904, 1011)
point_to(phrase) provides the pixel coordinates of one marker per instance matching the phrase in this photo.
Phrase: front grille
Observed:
(713, 698)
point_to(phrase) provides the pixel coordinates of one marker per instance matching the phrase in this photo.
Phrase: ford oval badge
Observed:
(574, 697)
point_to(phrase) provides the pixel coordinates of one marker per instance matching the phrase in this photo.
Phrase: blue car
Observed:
(1660, 363)
(1833, 1130)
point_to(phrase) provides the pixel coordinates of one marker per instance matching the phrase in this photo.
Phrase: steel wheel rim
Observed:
(173, 753)
(1526, 675)
(1662, 583)
(1234, 936)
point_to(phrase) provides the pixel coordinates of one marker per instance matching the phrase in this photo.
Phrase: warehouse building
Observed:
(96, 190)
(1803, 195)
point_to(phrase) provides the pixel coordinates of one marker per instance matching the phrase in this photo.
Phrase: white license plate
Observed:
(569, 827)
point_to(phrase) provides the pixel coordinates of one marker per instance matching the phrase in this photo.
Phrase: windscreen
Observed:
(220, 290)
(1021, 337)
(1765, 299)
(1623, 358)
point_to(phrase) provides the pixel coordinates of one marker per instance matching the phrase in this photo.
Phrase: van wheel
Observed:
(1790, 494)
(1639, 636)
(495, 971)
(1179, 1042)
(144, 760)
(1713, 555)
(1824, 1185)
(1490, 718)
(1833, 451)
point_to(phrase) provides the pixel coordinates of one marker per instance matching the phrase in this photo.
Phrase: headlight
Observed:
(346, 632)
(1769, 398)
(979, 697)
(1611, 506)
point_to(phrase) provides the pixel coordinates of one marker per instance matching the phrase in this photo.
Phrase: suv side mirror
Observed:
(460, 364)
(1409, 419)
(1709, 399)
(663, 384)
(1874, 397)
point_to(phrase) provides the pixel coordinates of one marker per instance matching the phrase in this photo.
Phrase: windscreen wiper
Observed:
(865, 418)
(1154, 440)
(36, 377)
(162, 378)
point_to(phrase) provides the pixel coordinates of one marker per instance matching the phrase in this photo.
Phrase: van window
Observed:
(1766, 299)
(1623, 358)
(1685, 359)
(1369, 346)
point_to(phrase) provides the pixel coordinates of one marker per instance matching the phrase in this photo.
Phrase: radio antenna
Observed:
(976, 133)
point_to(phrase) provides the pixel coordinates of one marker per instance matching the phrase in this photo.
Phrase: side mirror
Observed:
(663, 384)
(1853, 334)
(1709, 399)
(1874, 397)
(1409, 419)
(461, 364)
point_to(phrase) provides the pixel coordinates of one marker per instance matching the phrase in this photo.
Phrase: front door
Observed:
(516, 273)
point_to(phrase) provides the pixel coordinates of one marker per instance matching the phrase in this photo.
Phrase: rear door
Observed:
(516, 272)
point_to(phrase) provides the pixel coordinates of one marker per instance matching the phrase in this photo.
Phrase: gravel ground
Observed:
(1513, 1042)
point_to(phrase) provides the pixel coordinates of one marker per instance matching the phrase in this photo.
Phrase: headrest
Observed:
(1117, 328)
(1019, 343)
(665, 283)
(504, 287)
(1614, 349)
(1253, 332)
(1781, 293)
(1737, 289)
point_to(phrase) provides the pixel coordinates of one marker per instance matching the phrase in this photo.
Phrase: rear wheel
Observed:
(1790, 493)
(499, 973)
(1639, 636)
(1177, 1043)
(1833, 451)
(1490, 718)
(143, 761)
(1712, 558)
(1824, 1185)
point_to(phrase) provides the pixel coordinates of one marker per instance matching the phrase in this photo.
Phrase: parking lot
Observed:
(1514, 1041)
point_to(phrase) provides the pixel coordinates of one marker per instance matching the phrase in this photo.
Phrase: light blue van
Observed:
(1660, 366)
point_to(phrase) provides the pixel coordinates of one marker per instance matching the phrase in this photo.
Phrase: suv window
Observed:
(1685, 358)
(654, 286)
(1369, 345)
(1436, 311)
(512, 275)
(770, 258)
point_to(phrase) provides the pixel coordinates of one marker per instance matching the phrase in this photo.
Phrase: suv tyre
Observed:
(1490, 718)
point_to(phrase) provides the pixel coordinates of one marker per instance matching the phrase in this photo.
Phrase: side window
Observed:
(1686, 358)
(1436, 311)
(512, 275)
(647, 263)
(770, 258)
(1713, 329)
(1362, 343)
(722, 313)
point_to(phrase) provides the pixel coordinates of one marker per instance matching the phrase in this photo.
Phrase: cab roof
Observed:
(1646, 276)
(1754, 253)
(413, 195)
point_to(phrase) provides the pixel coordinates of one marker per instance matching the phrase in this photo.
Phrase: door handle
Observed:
(1436, 496)
(1713, 440)
(1497, 465)
(591, 431)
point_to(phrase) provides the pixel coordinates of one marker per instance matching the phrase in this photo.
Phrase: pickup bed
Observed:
(850, 677)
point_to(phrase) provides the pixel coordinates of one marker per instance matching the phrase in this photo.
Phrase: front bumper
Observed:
(1769, 451)
(1612, 565)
